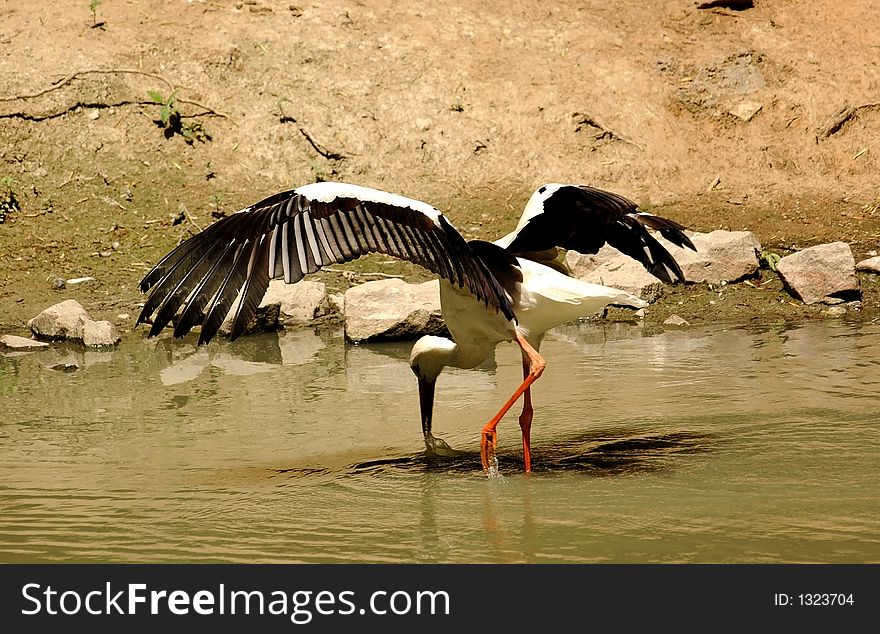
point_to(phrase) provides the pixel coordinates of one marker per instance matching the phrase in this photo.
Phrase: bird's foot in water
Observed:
(438, 448)
(488, 443)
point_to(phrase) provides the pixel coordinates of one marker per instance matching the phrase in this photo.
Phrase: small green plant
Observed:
(8, 200)
(321, 173)
(171, 120)
(217, 201)
(168, 109)
(93, 7)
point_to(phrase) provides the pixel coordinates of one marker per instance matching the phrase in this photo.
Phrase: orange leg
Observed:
(489, 440)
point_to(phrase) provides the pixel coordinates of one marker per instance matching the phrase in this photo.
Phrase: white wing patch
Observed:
(327, 192)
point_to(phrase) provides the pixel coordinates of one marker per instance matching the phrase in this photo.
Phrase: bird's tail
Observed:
(622, 298)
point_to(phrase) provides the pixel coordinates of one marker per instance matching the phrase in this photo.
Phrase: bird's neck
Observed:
(444, 352)
(431, 354)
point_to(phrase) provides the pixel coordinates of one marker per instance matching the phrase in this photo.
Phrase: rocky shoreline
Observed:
(826, 275)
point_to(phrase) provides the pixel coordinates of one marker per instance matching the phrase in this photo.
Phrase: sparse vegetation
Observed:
(8, 200)
(93, 7)
(171, 121)
(217, 201)
(769, 260)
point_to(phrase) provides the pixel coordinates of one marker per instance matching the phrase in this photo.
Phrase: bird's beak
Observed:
(426, 403)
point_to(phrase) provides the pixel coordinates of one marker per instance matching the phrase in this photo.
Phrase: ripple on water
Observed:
(711, 444)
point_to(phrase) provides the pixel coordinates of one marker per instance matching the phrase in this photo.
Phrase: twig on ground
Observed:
(836, 120)
(320, 149)
(736, 5)
(80, 73)
(583, 118)
(98, 71)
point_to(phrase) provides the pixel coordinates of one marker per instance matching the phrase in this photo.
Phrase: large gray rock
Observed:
(824, 273)
(284, 304)
(300, 302)
(392, 309)
(21, 343)
(610, 267)
(64, 320)
(721, 256)
(676, 320)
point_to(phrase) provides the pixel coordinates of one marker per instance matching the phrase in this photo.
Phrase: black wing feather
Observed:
(200, 279)
(584, 218)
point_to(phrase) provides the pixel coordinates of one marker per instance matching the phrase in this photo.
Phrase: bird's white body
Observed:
(547, 299)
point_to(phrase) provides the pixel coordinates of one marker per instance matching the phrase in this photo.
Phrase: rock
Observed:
(99, 333)
(78, 280)
(721, 256)
(266, 319)
(65, 366)
(821, 273)
(392, 309)
(300, 302)
(610, 267)
(871, 265)
(676, 320)
(721, 84)
(284, 304)
(337, 302)
(835, 311)
(745, 110)
(64, 320)
(21, 343)
(69, 320)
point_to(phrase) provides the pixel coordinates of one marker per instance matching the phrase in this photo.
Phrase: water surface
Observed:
(715, 444)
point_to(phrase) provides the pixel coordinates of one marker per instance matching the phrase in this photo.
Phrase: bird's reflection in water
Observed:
(502, 538)
(589, 453)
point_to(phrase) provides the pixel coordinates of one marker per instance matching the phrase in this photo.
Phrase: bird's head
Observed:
(427, 359)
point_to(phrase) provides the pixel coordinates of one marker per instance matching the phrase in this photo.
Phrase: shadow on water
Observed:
(591, 453)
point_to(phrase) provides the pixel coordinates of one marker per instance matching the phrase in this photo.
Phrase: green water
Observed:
(699, 445)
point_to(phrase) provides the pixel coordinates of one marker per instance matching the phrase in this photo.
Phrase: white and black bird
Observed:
(508, 290)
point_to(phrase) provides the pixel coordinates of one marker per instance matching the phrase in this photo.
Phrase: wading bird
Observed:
(508, 290)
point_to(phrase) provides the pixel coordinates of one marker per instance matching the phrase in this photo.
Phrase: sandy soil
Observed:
(469, 106)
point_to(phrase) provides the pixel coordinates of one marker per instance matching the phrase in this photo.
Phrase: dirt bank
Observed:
(719, 119)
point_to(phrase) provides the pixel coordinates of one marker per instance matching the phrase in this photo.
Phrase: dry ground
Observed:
(467, 105)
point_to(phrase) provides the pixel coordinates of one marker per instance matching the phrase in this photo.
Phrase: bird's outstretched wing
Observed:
(295, 233)
(584, 218)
